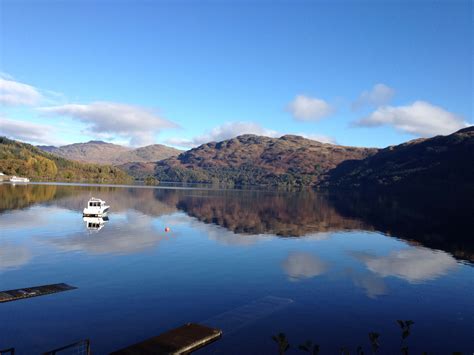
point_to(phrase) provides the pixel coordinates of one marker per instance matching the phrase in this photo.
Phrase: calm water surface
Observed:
(324, 267)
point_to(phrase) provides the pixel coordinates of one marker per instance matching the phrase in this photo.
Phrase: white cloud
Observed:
(14, 93)
(135, 123)
(299, 265)
(180, 142)
(379, 95)
(305, 108)
(318, 137)
(413, 265)
(420, 118)
(29, 132)
(226, 131)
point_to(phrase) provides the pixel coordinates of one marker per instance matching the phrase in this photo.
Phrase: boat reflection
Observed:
(95, 223)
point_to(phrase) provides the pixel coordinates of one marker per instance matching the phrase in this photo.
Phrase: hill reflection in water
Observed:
(436, 221)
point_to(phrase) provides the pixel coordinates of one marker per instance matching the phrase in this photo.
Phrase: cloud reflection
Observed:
(24, 219)
(373, 285)
(13, 256)
(300, 265)
(132, 234)
(414, 265)
(226, 237)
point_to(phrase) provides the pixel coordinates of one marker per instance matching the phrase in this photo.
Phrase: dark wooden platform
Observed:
(21, 293)
(182, 340)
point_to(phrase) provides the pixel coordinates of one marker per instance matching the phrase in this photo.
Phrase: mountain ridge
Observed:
(296, 161)
(258, 160)
(292, 160)
(100, 152)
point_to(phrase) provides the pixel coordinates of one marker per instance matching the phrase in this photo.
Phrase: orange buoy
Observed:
(167, 229)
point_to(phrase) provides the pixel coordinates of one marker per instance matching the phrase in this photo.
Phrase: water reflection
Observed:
(349, 260)
(23, 220)
(95, 223)
(120, 200)
(259, 212)
(301, 265)
(373, 285)
(435, 219)
(438, 221)
(414, 265)
(20, 196)
(13, 255)
(131, 233)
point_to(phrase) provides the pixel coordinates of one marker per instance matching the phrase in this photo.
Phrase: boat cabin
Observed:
(96, 207)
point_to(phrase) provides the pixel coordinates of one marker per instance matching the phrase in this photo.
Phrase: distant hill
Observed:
(139, 170)
(26, 160)
(436, 162)
(149, 153)
(255, 160)
(107, 153)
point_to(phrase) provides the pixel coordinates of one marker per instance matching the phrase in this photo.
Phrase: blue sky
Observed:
(361, 73)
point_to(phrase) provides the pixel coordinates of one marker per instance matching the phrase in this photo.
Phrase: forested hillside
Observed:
(440, 162)
(23, 159)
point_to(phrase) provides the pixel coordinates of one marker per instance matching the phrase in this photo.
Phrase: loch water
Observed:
(321, 266)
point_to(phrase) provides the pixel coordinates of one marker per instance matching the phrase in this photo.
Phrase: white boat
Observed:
(19, 179)
(95, 223)
(96, 208)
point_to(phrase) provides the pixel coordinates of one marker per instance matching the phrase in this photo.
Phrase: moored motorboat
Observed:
(96, 208)
(19, 179)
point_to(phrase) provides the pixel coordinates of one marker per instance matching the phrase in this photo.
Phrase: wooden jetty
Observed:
(21, 293)
(182, 340)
